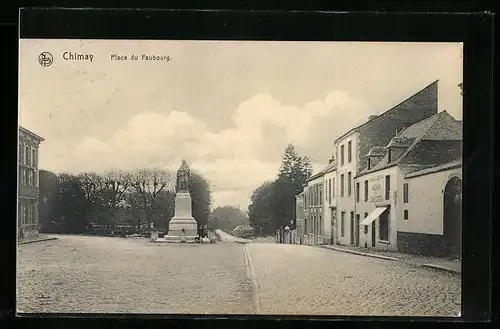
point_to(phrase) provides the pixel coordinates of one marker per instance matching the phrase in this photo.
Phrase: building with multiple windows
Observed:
(395, 183)
(397, 216)
(330, 204)
(352, 147)
(314, 222)
(27, 210)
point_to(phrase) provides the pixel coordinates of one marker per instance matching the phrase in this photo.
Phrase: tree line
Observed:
(78, 203)
(272, 204)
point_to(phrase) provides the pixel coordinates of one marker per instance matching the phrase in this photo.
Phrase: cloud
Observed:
(235, 160)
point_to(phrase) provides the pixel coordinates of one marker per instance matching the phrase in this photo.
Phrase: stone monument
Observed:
(182, 227)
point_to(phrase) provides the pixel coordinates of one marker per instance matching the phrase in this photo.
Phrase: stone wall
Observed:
(422, 244)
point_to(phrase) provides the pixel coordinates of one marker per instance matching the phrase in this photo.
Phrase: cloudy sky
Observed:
(228, 108)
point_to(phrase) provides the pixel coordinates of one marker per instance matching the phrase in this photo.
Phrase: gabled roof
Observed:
(384, 114)
(439, 127)
(434, 169)
(377, 151)
(32, 134)
(331, 167)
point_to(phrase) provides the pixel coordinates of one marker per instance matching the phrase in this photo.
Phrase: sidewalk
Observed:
(39, 238)
(443, 264)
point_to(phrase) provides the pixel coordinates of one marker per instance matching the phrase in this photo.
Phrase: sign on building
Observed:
(377, 188)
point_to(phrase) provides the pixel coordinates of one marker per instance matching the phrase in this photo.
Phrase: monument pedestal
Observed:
(182, 227)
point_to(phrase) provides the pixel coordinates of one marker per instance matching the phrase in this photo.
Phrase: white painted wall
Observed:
(425, 202)
(315, 211)
(346, 203)
(377, 196)
(328, 203)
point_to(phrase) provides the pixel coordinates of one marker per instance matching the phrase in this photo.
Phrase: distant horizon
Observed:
(229, 108)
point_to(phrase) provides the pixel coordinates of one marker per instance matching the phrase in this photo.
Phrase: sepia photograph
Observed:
(239, 177)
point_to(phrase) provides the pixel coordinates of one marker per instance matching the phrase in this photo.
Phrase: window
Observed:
(405, 193)
(24, 176)
(320, 225)
(406, 214)
(28, 156)
(369, 163)
(330, 190)
(21, 152)
(333, 187)
(389, 156)
(357, 192)
(366, 226)
(366, 190)
(349, 183)
(342, 185)
(320, 187)
(349, 152)
(384, 226)
(33, 160)
(342, 223)
(387, 187)
(326, 191)
(342, 155)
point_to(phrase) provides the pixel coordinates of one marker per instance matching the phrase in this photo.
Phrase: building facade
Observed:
(314, 221)
(300, 216)
(410, 192)
(330, 203)
(352, 147)
(28, 180)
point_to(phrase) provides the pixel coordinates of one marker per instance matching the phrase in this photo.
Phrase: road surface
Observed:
(113, 275)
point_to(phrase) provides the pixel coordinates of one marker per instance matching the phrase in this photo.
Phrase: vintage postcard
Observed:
(239, 177)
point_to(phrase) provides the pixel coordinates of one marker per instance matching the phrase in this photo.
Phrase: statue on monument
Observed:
(183, 178)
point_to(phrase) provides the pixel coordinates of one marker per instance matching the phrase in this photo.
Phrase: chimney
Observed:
(332, 158)
(371, 117)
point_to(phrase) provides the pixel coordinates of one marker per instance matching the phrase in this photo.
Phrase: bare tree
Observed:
(148, 183)
(115, 184)
(134, 206)
(92, 185)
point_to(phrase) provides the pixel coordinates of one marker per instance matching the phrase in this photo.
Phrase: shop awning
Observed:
(373, 215)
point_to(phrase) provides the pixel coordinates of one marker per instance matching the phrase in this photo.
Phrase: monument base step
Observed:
(176, 239)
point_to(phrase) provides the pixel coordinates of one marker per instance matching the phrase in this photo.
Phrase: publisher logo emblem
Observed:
(45, 59)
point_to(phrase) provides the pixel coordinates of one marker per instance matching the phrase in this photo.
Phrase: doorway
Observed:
(373, 233)
(334, 238)
(452, 221)
(357, 230)
(351, 238)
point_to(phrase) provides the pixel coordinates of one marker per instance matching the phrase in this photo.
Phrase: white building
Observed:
(314, 221)
(407, 196)
(330, 203)
(351, 148)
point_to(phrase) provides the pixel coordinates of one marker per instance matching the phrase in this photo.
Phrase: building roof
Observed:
(425, 171)
(384, 114)
(377, 151)
(329, 168)
(32, 134)
(316, 175)
(439, 127)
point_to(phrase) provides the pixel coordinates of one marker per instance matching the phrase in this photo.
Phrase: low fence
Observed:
(286, 236)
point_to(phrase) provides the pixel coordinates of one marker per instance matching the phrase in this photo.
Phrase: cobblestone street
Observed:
(113, 275)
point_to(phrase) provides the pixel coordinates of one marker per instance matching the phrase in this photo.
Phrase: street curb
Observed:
(442, 268)
(37, 240)
(361, 253)
(431, 266)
